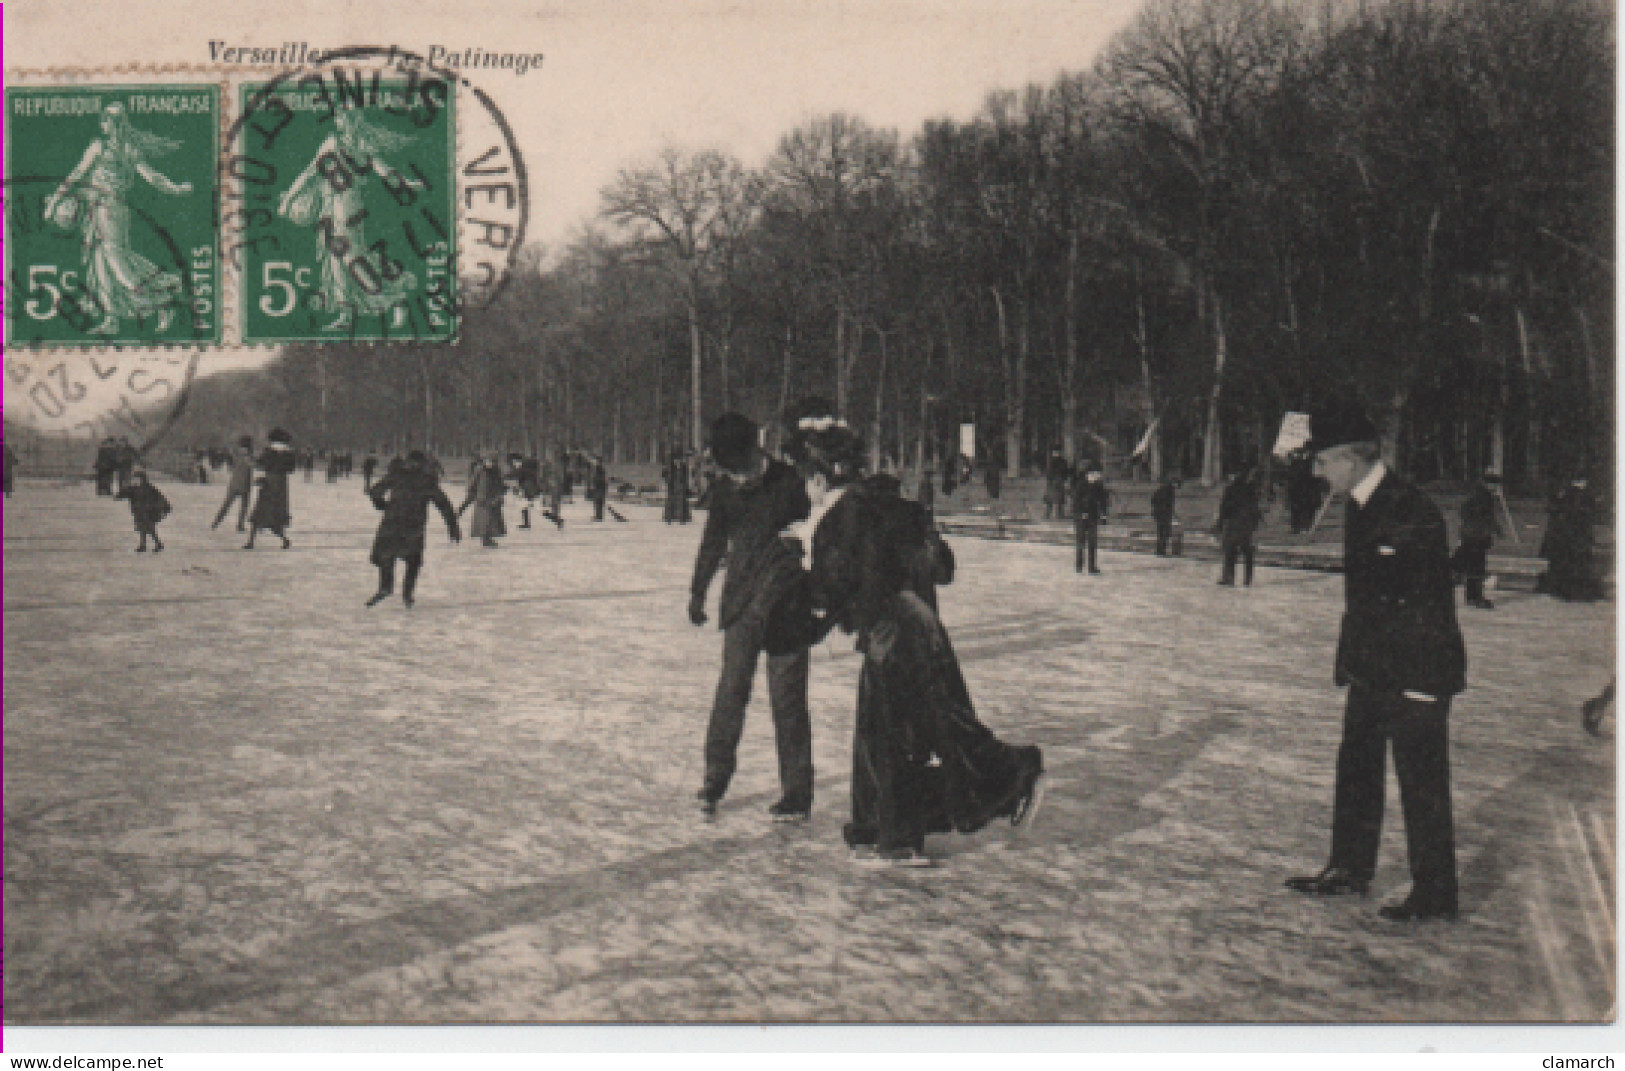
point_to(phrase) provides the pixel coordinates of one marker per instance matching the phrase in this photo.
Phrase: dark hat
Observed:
(1342, 420)
(279, 436)
(246, 442)
(732, 440)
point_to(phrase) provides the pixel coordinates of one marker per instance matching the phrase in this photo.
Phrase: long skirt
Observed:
(488, 522)
(271, 508)
(921, 760)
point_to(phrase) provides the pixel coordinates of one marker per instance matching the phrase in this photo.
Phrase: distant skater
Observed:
(598, 489)
(240, 485)
(271, 508)
(404, 495)
(486, 489)
(148, 506)
(677, 489)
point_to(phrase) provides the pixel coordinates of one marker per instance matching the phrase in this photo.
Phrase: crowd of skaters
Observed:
(812, 542)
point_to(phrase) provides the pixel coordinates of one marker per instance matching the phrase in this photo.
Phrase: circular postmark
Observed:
(368, 196)
(89, 397)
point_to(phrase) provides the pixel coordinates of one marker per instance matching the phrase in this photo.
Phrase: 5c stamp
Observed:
(111, 236)
(347, 208)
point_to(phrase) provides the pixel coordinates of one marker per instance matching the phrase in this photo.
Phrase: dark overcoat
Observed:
(1399, 623)
(271, 507)
(405, 496)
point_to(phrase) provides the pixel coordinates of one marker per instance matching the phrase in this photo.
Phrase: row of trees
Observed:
(1241, 206)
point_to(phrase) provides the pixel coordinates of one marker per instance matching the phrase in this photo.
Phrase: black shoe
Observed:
(709, 796)
(286, 543)
(1227, 583)
(157, 548)
(1591, 712)
(1333, 881)
(408, 600)
(1416, 908)
(142, 549)
(790, 810)
(1093, 571)
(377, 598)
(1029, 787)
(859, 838)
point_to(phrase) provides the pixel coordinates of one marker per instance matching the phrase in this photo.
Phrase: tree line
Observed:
(1240, 207)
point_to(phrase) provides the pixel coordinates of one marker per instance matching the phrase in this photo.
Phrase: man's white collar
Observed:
(1363, 490)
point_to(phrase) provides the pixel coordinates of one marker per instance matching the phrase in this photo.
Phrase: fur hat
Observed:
(821, 442)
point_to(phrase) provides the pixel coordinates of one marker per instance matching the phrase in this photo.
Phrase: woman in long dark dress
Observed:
(922, 762)
(271, 509)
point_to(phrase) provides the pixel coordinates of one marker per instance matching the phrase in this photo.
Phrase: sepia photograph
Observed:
(914, 513)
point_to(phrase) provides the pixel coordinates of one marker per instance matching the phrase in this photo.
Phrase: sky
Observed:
(621, 79)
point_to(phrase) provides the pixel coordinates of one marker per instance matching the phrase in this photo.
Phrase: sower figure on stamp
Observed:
(240, 485)
(747, 515)
(1090, 502)
(148, 506)
(1400, 654)
(405, 494)
(271, 509)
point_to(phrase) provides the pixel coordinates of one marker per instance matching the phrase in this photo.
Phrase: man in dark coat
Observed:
(369, 468)
(1238, 521)
(105, 466)
(1162, 513)
(1056, 476)
(1479, 527)
(1400, 654)
(240, 485)
(598, 489)
(1090, 503)
(677, 488)
(405, 494)
(11, 469)
(747, 515)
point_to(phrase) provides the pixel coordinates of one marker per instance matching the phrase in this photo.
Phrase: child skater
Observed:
(404, 495)
(148, 506)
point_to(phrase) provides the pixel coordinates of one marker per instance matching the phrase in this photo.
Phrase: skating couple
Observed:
(814, 546)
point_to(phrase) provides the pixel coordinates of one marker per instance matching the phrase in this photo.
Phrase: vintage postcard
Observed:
(914, 512)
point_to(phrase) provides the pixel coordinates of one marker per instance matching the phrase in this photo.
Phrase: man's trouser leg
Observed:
(1081, 537)
(1247, 551)
(1422, 762)
(1362, 760)
(741, 647)
(1094, 545)
(1227, 574)
(1165, 535)
(792, 724)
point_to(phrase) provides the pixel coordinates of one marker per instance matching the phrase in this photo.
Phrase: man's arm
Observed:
(713, 548)
(443, 504)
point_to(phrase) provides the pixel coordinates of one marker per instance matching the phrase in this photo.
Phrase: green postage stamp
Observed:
(111, 216)
(346, 190)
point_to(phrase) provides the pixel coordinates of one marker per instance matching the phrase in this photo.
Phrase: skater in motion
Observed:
(486, 489)
(271, 508)
(922, 762)
(743, 525)
(148, 506)
(240, 486)
(404, 495)
(1593, 709)
(95, 198)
